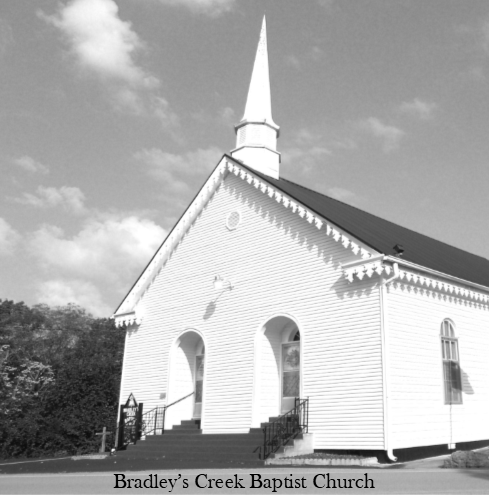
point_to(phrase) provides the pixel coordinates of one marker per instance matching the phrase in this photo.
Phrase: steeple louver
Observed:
(257, 133)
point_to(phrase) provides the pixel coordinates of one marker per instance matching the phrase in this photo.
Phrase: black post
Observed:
(120, 436)
(156, 420)
(139, 422)
(163, 425)
(307, 415)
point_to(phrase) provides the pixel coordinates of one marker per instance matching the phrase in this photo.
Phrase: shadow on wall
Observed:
(343, 288)
(466, 386)
(307, 236)
(209, 311)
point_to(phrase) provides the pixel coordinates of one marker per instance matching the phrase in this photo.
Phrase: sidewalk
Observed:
(121, 464)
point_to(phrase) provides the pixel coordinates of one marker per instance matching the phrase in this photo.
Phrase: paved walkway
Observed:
(121, 463)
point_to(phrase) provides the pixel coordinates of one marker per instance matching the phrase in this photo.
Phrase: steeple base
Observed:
(259, 158)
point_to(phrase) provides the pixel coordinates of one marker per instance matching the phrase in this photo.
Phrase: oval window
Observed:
(233, 220)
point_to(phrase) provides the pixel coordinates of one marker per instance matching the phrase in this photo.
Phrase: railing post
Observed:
(163, 424)
(119, 441)
(286, 427)
(156, 418)
(139, 422)
(307, 414)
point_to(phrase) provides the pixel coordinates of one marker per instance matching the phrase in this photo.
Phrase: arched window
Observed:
(295, 336)
(451, 363)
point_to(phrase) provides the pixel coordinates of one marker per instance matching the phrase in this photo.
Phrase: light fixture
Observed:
(221, 285)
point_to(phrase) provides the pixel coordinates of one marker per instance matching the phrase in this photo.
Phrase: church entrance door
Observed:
(291, 375)
(199, 385)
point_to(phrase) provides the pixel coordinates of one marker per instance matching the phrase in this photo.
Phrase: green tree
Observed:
(59, 378)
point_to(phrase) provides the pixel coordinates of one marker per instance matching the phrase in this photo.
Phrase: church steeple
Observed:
(257, 133)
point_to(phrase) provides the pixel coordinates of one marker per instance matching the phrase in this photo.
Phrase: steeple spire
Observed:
(257, 133)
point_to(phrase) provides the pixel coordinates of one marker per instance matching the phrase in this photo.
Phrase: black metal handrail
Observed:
(154, 420)
(130, 431)
(285, 428)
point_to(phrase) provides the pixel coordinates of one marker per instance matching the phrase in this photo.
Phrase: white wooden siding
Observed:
(418, 415)
(278, 264)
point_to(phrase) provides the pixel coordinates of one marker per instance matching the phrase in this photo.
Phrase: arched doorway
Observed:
(278, 368)
(187, 368)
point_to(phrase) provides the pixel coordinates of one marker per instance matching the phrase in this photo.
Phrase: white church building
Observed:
(265, 291)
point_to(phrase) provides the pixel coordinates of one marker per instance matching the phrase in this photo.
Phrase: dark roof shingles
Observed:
(383, 235)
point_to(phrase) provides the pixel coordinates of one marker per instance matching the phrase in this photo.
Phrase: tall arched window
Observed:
(451, 363)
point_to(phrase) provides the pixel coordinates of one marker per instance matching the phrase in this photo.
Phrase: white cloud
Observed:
(6, 37)
(327, 4)
(181, 175)
(223, 117)
(309, 149)
(106, 46)
(304, 136)
(476, 73)
(211, 8)
(9, 238)
(389, 134)
(70, 198)
(167, 118)
(341, 194)
(344, 143)
(485, 36)
(107, 254)
(304, 158)
(419, 109)
(101, 41)
(228, 116)
(30, 165)
(315, 53)
(61, 292)
(291, 60)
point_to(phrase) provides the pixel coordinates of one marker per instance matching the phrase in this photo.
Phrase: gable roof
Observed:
(383, 235)
(364, 232)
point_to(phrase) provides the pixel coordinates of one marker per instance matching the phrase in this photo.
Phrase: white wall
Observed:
(418, 415)
(278, 264)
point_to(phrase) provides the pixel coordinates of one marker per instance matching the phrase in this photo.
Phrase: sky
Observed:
(114, 112)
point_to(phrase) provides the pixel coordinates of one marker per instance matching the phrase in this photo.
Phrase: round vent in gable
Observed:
(233, 219)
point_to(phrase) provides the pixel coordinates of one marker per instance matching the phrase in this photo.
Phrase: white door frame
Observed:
(256, 394)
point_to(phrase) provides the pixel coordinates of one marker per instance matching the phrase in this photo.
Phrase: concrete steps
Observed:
(185, 444)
